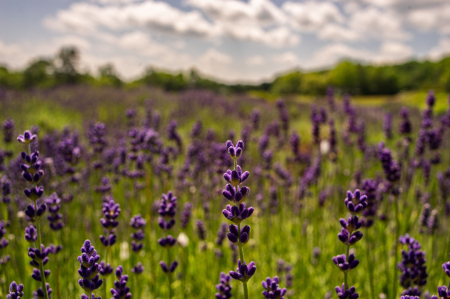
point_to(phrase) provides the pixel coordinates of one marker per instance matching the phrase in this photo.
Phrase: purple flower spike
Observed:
(31, 234)
(236, 177)
(84, 296)
(236, 194)
(352, 224)
(27, 137)
(243, 273)
(412, 297)
(164, 266)
(105, 269)
(355, 202)
(120, 290)
(345, 265)
(346, 294)
(89, 268)
(235, 151)
(446, 267)
(236, 215)
(40, 294)
(15, 291)
(272, 288)
(138, 269)
(233, 235)
(34, 193)
(443, 292)
(224, 287)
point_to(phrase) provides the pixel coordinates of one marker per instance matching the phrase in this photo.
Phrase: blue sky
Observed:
(231, 40)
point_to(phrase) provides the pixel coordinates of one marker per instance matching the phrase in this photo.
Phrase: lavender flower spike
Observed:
(235, 151)
(243, 273)
(342, 293)
(272, 289)
(355, 202)
(121, 291)
(15, 291)
(224, 287)
(90, 279)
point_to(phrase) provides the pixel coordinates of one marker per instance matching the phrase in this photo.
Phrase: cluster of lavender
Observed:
(33, 173)
(224, 287)
(137, 223)
(428, 220)
(5, 186)
(237, 213)
(166, 220)
(412, 266)
(317, 118)
(54, 217)
(272, 290)
(285, 269)
(111, 210)
(89, 269)
(350, 235)
(15, 291)
(284, 116)
(120, 290)
(3, 243)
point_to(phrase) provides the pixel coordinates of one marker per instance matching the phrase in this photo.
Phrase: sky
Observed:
(230, 40)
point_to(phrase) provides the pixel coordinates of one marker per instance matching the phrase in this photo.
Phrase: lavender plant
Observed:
(32, 172)
(166, 221)
(350, 235)
(89, 268)
(237, 213)
(15, 291)
(121, 290)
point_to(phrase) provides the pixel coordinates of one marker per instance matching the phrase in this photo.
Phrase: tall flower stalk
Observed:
(32, 173)
(89, 268)
(392, 171)
(350, 235)
(167, 211)
(237, 213)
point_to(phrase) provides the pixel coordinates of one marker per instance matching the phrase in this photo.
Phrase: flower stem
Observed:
(346, 272)
(241, 256)
(245, 290)
(397, 235)
(369, 265)
(169, 274)
(41, 266)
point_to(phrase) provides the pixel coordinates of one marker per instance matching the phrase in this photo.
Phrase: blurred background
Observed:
(366, 47)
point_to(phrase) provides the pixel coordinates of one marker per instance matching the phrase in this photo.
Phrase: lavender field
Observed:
(197, 194)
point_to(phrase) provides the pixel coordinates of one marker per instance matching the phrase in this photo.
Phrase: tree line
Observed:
(346, 76)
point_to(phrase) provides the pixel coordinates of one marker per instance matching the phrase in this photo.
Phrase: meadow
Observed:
(302, 153)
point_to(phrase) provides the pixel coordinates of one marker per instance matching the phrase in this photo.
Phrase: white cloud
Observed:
(431, 18)
(441, 50)
(214, 57)
(375, 23)
(312, 15)
(337, 33)
(388, 52)
(255, 60)
(261, 12)
(83, 18)
(288, 58)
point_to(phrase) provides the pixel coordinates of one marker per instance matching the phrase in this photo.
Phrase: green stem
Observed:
(245, 290)
(169, 274)
(345, 273)
(369, 265)
(397, 235)
(105, 289)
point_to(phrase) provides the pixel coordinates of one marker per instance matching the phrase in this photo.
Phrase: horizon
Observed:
(229, 40)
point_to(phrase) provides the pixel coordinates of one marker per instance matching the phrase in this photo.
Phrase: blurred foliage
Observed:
(347, 76)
